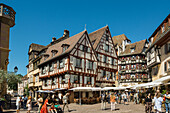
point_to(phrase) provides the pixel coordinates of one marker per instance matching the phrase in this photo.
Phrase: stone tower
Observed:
(7, 20)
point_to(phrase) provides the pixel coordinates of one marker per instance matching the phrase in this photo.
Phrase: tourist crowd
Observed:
(51, 103)
(47, 104)
(155, 100)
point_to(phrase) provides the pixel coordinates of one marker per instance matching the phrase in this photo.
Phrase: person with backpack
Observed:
(167, 101)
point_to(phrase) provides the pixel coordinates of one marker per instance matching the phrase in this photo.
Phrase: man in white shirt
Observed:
(65, 101)
(18, 104)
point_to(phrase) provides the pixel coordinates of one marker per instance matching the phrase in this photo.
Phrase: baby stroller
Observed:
(55, 109)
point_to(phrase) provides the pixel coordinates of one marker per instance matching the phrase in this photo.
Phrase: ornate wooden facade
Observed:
(158, 60)
(106, 54)
(132, 64)
(75, 68)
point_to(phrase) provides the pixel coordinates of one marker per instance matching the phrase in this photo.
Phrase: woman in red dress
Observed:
(44, 107)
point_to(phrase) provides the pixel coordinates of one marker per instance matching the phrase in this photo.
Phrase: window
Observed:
(51, 66)
(61, 63)
(105, 59)
(107, 37)
(43, 70)
(54, 52)
(107, 47)
(88, 80)
(163, 28)
(78, 62)
(90, 65)
(112, 62)
(85, 48)
(36, 78)
(65, 47)
(93, 42)
(168, 65)
(104, 73)
(165, 66)
(76, 79)
(132, 50)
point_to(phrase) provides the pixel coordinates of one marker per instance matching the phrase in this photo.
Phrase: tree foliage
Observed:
(10, 78)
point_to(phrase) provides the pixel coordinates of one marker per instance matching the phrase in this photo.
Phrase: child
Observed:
(52, 109)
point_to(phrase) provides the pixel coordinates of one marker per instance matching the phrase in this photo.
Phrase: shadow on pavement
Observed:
(72, 110)
(9, 112)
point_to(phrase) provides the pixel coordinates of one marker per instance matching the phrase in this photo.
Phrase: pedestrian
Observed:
(108, 98)
(65, 101)
(131, 96)
(44, 107)
(29, 104)
(24, 101)
(103, 101)
(158, 103)
(18, 104)
(1, 108)
(39, 102)
(119, 97)
(113, 101)
(167, 101)
(148, 104)
(136, 98)
(124, 97)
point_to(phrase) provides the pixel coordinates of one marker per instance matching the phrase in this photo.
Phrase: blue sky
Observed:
(37, 21)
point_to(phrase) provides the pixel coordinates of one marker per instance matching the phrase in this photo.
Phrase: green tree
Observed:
(26, 90)
(11, 79)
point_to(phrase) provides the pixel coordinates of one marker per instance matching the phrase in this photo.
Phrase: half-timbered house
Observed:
(158, 52)
(132, 64)
(69, 63)
(106, 55)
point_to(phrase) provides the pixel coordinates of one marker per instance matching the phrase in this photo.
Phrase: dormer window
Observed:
(107, 37)
(163, 28)
(46, 56)
(85, 48)
(54, 52)
(65, 47)
(132, 50)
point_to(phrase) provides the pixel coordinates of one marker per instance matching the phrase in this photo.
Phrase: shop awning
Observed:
(163, 79)
(58, 89)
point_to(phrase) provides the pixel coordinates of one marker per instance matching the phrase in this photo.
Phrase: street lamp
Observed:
(15, 69)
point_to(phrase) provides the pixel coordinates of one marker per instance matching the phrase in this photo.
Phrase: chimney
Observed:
(66, 34)
(53, 39)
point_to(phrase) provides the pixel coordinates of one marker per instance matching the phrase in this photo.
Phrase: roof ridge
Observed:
(119, 35)
(99, 29)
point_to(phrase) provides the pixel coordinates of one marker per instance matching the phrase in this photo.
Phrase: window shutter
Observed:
(72, 78)
(104, 46)
(92, 80)
(48, 68)
(85, 80)
(87, 64)
(57, 64)
(88, 49)
(74, 61)
(94, 65)
(83, 64)
(81, 80)
(81, 47)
